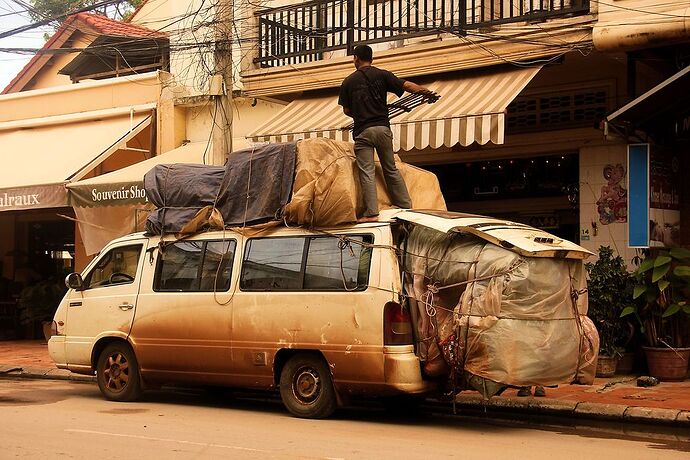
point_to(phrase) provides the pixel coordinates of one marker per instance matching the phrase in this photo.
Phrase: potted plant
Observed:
(37, 304)
(662, 289)
(608, 281)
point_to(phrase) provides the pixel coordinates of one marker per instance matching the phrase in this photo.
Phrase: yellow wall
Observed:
(245, 119)
(593, 160)
(82, 97)
(48, 76)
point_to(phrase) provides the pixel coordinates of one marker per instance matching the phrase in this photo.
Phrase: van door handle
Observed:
(126, 306)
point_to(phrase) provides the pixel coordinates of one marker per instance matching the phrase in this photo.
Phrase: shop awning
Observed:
(471, 109)
(37, 162)
(126, 186)
(661, 103)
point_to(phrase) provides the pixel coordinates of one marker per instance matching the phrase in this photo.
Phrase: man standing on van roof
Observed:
(363, 97)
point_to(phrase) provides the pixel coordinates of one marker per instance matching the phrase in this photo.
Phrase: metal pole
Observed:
(223, 110)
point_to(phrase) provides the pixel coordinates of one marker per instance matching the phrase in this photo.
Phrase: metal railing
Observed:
(305, 32)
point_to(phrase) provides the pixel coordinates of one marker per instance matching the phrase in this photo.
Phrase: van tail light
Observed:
(397, 327)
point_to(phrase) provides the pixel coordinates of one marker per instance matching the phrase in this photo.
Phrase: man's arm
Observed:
(416, 89)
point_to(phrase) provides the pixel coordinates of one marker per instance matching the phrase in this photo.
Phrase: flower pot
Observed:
(606, 366)
(47, 327)
(668, 364)
(625, 364)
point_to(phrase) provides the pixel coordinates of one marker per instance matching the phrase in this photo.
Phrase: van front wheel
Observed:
(306, 387)
(117, 373)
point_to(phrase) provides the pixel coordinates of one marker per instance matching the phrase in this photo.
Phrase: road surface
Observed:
(59, 419)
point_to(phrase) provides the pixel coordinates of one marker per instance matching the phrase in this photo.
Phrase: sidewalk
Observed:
(613, 399)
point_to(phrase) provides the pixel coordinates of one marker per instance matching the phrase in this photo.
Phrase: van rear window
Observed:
(320, 263)
(195, 266)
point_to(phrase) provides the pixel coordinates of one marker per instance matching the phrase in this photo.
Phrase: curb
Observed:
(526, 405)
(581, 410)
(28, 372)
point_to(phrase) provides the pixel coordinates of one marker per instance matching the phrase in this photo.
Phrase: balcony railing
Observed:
(305, 32)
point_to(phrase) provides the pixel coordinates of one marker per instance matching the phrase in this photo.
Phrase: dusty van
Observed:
(318, 314)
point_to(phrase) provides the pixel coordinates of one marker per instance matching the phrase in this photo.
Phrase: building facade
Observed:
(526, 87)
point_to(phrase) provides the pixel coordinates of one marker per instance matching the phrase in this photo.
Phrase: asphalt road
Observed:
(58, 419)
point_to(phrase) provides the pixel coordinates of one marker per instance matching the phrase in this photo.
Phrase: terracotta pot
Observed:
(625, 364)
(47, 327)
(606, 366)
(668, 364)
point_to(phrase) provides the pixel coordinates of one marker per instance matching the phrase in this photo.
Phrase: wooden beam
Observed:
(116, 73)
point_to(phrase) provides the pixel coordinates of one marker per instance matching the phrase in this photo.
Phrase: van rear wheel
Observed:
(306, 387)
(117, 373)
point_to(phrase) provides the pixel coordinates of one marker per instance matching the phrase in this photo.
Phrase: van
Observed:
(317, 314)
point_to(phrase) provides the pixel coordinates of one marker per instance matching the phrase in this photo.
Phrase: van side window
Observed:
(273, 264)
(334, 264)
(195, 266)
(117, 266)
(323, 263)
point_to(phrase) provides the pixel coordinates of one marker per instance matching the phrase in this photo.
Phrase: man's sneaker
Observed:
(525, 391)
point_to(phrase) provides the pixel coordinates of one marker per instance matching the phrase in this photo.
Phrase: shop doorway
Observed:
(36, 264)
(540, 191)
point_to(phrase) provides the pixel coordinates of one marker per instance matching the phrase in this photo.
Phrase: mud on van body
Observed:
(318, 314)
(286, 308)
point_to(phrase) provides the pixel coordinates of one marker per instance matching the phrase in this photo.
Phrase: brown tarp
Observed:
(326, 190)
(488, 315)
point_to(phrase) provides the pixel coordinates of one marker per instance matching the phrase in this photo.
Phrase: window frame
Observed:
(94, 267)
(159, 267)
(303, 263)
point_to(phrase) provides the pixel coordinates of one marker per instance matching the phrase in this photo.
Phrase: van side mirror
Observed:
(74, 281)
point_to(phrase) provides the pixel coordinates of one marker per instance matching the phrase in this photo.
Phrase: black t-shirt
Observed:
(367, 99)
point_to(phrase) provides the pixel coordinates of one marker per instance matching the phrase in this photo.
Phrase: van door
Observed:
(183, 323)
(307, 292)
(106, 305)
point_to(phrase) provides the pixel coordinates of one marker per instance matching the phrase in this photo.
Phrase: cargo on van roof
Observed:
(312, 182)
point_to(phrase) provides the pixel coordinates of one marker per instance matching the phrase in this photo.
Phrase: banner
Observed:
(638, 195)
(33, 197)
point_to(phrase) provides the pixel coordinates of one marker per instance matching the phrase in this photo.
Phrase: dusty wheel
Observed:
(117, 373)
(306, 387)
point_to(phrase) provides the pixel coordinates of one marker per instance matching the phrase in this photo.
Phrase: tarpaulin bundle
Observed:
(313, 182)
(490, 315)
(327, 188)
(252, 188)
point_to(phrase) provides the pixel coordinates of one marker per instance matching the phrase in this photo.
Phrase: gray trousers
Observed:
(381, 139)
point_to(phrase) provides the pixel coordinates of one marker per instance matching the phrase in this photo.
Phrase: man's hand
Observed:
(346, 111)
(418, 89)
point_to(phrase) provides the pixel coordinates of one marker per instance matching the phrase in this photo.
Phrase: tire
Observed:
(117, 373)
(306, 387)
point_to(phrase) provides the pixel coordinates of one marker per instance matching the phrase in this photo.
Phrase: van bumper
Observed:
(403, 371)
(56, 350)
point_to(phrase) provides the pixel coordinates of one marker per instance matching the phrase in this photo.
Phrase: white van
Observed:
(315, 313)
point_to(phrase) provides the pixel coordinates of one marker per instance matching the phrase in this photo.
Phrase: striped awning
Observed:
(471, 109)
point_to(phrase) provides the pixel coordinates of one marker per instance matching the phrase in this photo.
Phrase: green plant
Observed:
(608, 283)
(662, 291)
(39, 301)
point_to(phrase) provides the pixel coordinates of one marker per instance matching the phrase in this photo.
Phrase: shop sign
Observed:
(638, 193)
(108, 195)
(33, 197)
(664, 199)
